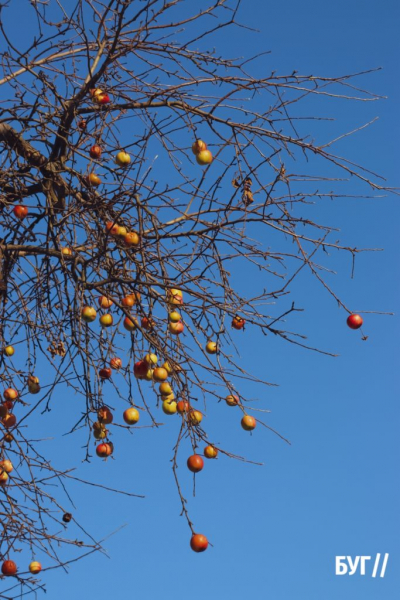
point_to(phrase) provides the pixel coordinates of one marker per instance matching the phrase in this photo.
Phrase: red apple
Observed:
(105, 415)
(8, 568)
(198, 542)
(95, 152)
(105, 449)
(238, 322)
(9, 421)
(140, 369)
(183, 406)
(82, 124)
(20, 211)
(354, 321)
(130, 324)
(105, 373)
(195, 463)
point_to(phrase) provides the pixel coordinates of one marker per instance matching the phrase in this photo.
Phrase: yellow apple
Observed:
(122, 159)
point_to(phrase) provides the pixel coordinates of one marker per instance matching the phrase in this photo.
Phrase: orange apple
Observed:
(6, 465)
(3, 477)
(238, 322)
(165, 388)
(195, 463)
(210, 451)
(198, 542)
(131, 239)
(10, 394)
(66, 251)
(129, 300)
(232, 400)
(160, 374)
(116, 363)
(176, 328)
(183, 406)
(88, 314)
(105, 302)
(93, 180)
(198, 146)
(211, 347)
(195, 417)
(131, 416)
(9, 421)
(106, 320)
(248, 423)
(130, 324)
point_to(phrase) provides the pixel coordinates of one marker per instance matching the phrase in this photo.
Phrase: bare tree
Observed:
(138, 171)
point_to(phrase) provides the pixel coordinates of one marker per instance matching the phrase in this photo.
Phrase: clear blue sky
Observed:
(276, 529)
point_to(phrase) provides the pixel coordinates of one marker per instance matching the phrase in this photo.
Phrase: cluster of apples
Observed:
(130, 239)
(9, 568)
(202, 154)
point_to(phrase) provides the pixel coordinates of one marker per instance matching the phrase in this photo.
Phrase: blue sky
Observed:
(276, 529)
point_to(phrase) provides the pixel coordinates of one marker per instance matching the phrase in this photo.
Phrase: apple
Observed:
(248, 423)
(198, 542)
(33, 384)
(88, 314)
(67, 517)
(147, 323)
(174, 316)
(122, 159)
(160, 374)
(9, 438)
(82, 124)
(116, 363)
(354, 321)
(169, 407)
(211, 347)
(102, 99)
(105, 415)
(10, 394)
(129, 300)
(195, 463)
(105, 373)
(195, 417)
(149, 375)
(151, 359)
(175, 296)
(168, 397)
(130, 324)
(35, 567)
(198, 146)
(204, 157)
(112, 228)
(165, 388)
(99, 431)
(9, 421)
(131, 239)
(140, 369)
(106, 320)
(122, 231)
(104, 449)
(232, 400)
(9, 351)
(66, 251)
(131, 416)
(3, 478)
(238, 322)
(176, 328)
(95, 152)
(105, 302)
(93, 180)
(183, 406)
(210, 451)
(20, 211)
(8, 568)
(95, 92)
(6, 465)
(168, 367)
